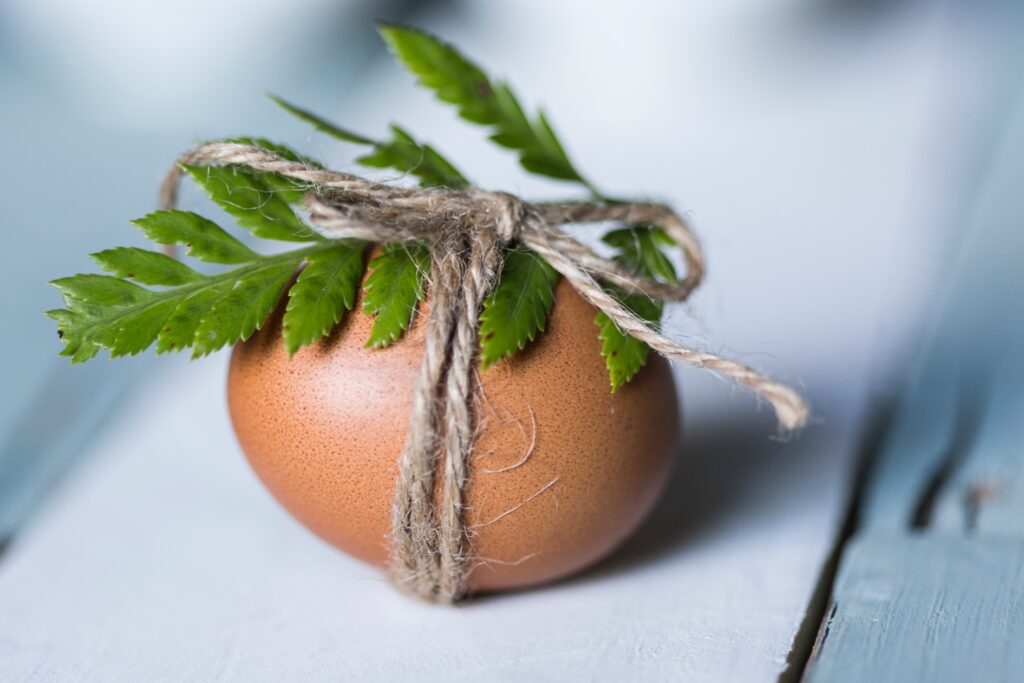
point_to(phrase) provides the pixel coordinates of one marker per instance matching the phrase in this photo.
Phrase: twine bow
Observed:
(466, 231)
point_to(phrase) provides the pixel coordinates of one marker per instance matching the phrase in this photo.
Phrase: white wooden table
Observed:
(162, 558)
(165, 560)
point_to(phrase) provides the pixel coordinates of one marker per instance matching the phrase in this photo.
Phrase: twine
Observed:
(467, 231)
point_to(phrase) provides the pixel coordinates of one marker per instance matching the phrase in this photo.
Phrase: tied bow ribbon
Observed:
(467, 232)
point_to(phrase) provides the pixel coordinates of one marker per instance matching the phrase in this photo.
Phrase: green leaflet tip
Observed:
(385, 27)
(319, 123)
(489, 360)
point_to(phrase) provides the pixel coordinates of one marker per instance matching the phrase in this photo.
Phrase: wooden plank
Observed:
(978, 336)
(34, 456)
(919, 440)
(931, 587)
(925, 608)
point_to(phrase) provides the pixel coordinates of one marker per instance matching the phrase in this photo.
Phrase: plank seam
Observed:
(809, 636)
(971, 401)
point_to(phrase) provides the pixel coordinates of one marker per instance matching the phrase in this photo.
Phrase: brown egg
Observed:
(563, 469)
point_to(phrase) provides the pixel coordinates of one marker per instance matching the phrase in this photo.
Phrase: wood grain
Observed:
(926, 608)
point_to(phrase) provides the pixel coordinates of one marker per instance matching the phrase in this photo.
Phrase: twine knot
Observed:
(467, 231)
(508, 213)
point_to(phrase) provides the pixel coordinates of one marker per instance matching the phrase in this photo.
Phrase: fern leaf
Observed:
(324, 290)
(458, 81)
(393, 289)
(518, 308)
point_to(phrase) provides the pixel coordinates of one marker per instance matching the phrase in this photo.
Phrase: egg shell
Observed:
(562, 471)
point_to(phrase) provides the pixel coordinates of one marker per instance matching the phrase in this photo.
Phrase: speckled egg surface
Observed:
(562, 471)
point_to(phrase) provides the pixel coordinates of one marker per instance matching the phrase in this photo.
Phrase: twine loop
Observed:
(467, 232)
